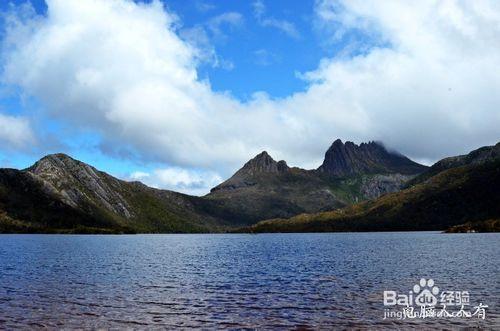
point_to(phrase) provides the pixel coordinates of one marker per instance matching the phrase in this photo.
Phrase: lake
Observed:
(238, 280)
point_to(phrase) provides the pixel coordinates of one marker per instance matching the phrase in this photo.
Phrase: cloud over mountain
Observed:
(427, 83)
(15, 132)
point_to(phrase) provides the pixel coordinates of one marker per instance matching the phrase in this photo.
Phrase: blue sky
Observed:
(264, 58)
(261, 59)
(180, 94)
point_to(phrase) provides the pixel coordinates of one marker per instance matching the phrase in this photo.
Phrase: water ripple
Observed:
(279, 281)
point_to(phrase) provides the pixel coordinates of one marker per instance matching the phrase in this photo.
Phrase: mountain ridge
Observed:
(107, 202)
(346, 159)
(463, 195)
(476, 156)
(273, 188)
(263, 188)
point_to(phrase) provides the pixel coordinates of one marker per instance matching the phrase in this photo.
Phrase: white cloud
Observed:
(231, 19)
(204, 6)
(433, 92)
(179, 180)
(263, 57)
(139, 175)
(283, 25)
(120, 68)
(15, 132)
(259, 8)
(202, 37)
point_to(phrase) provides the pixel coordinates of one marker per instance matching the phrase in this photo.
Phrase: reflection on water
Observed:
(234, 281)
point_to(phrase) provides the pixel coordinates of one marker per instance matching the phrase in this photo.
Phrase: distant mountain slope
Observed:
(264, 188)
(29, 204)
(61, 193)
(468, 192)
(478, 156)
(349, 159)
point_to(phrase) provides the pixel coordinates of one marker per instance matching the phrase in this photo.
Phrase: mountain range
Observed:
(457, 194)
(61, 194)
(349, 173)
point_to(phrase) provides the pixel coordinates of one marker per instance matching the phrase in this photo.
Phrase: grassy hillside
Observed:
(60, 194)
(28, 205)
(455, 196)
(265, 188)
(276, 195)
(478, 156)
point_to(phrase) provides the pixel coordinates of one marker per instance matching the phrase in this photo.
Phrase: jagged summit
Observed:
(261, 165)
(61, 165)
(56, 160)
(61, 156)
(263, 162)
(350, 159)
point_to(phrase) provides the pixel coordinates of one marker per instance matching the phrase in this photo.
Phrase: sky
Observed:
(179, 94)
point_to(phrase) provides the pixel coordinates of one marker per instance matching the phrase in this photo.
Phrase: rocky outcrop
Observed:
(349, 159)
(460, 199)
(349, 174)
(61, 194)
(265, 187)
(80, 183)
(375, 186)
(30, 204)
(261, 165)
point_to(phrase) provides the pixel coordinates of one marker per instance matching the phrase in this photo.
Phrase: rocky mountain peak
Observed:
(264, 163)
(55, 166)
(351, 159)
(252, 172)
(78, 181)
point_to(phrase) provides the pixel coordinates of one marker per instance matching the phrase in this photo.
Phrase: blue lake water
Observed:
(234, 281)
